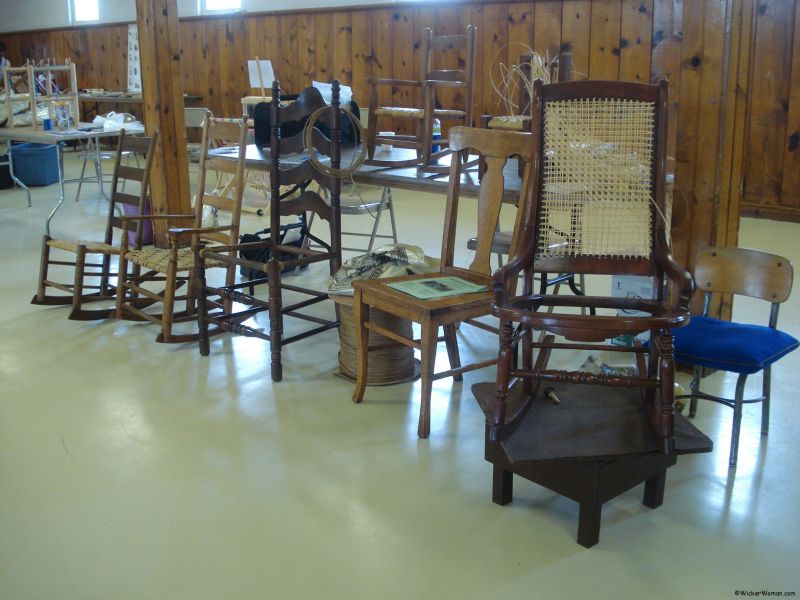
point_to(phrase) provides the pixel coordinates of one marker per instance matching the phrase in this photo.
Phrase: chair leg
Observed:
(451, 341)
(697, 372)
(428, 339)
(169, 301)
(83, 172)
(505, 362)
(390, 206)
(360, 317)
(122, 276)
(737, 419)
(767, 375)
(202, 316)
(275, 318)
(77, 286)
(105, 274)
(43, 268)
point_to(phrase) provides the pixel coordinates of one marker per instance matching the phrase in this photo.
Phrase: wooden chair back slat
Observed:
(744, 272)
(495, 147)
(217, 134)
(130, 173)
(143, 146)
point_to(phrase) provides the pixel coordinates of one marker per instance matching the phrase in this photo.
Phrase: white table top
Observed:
(28, 134)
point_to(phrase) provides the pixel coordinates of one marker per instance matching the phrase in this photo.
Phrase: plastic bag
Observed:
(387, 261)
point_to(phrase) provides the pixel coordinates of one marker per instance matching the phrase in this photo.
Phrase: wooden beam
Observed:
(162, 91)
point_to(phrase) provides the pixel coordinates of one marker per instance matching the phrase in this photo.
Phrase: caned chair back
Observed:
(600, 192)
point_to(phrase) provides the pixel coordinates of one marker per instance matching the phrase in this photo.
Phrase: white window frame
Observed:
(202, 7)
(73, 12)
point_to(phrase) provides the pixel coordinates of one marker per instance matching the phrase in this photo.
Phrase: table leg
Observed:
(60, 164)
(14, 177)
(98, 168)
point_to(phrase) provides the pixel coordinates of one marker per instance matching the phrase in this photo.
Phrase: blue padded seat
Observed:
(735, 347)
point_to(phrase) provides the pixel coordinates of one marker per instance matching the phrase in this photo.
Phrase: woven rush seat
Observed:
(449, 113)
(157, 259)
(509, 122)
(417, 113)
(72, 246)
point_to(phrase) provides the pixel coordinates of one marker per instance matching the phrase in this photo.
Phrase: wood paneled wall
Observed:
(702, 46)
(771, 174)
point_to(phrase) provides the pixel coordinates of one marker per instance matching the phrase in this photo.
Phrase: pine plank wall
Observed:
(733, 67)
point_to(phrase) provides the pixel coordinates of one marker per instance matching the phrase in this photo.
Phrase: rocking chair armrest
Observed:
(502, 278)
(384, 81)
(679, 277)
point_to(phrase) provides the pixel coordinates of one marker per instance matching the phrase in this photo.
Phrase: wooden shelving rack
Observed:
(50, 96)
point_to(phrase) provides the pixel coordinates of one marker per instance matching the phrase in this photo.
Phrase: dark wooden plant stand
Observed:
(592, 447)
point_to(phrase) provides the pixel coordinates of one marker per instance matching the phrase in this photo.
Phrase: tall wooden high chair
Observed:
(290, 160)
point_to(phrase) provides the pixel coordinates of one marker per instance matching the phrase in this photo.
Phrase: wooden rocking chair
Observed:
(600, 153)
(100, 274)
(173, 267)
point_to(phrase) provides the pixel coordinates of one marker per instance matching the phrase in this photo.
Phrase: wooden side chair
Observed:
(496, 148)
(600, 152)
(741, 348)
(173, 267)
(98, 276)
(290, 165)
(429, 99)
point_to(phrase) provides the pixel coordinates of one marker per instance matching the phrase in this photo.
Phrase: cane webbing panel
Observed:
(597, 190)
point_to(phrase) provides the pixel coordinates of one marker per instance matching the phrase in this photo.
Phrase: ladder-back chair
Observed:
(98, 276)
(290, 165)
(443, 91)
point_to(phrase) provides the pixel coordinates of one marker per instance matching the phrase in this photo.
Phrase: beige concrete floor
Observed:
(130, 469)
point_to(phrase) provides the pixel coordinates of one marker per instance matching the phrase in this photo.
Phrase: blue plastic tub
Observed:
(35, 164)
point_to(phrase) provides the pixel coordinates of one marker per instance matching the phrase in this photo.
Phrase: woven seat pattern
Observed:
(416, 113)
(449, 113)
(508, 122)
(157, 259)
(72, 246)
